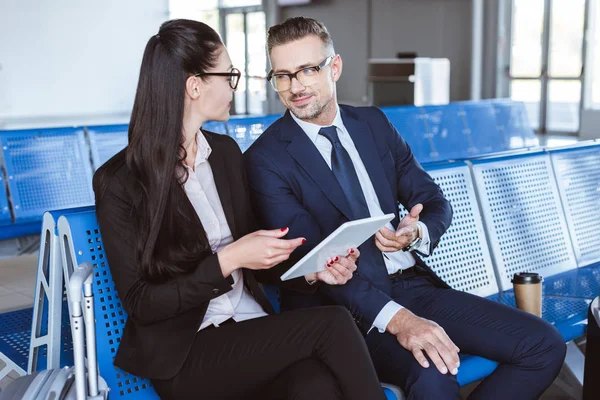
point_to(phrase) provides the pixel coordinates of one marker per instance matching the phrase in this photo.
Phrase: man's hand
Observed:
(417, 334)
(339, 269)
(389, 241)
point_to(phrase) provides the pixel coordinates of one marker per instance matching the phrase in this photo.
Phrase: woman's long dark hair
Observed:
(166, 243)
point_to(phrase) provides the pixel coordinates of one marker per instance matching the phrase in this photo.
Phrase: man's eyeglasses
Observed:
(306, 76)
(234, 76)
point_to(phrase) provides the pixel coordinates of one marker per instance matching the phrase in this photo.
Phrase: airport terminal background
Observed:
(69, 63)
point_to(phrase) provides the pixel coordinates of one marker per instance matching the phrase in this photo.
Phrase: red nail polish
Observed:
(303, 241)
(283, 229)
(351, 251)
(336, 258)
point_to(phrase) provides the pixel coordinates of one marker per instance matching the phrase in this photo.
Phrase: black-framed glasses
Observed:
(234, 76)
(306, 76)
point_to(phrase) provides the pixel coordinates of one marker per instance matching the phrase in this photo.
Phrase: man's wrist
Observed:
(397, 321)
(416, 241)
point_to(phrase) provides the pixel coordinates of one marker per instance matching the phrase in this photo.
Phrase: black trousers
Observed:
(315, 353)
(529, 350)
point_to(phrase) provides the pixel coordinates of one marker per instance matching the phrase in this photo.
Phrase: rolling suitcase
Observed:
(69, 383)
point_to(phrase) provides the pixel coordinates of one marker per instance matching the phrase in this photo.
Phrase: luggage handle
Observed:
(83, 318)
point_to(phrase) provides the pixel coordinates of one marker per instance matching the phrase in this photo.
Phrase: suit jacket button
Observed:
(216, 291)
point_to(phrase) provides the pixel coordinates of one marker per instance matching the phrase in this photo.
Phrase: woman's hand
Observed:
(339, 269)
(258, 250)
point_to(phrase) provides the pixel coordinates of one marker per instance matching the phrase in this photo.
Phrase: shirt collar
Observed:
(204, 149)
(312, 130)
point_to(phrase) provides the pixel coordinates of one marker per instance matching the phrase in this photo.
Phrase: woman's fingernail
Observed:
(444, 370)
(426, 365)
(351, 251)
(303, 241)
(336, 258)
(283, 229)
(455, 371)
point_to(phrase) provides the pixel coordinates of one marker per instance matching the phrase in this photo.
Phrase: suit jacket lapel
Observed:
(367, 149)
(221, 173)
(309, 158)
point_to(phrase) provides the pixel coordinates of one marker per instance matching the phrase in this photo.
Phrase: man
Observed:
(321, 165)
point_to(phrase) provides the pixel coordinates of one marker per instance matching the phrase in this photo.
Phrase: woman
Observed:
(178, 232)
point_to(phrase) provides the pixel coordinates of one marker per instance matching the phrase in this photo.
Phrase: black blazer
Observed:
(164, 318)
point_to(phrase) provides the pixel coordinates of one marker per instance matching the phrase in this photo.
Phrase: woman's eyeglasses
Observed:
(234, 76)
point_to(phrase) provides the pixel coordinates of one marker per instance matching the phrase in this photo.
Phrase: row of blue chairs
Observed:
(48, 169)
(532, 211)
(496, 199)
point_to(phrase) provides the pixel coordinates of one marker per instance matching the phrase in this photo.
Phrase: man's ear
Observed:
(336, 67)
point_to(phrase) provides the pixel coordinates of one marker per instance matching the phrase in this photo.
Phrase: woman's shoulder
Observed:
(112, 174)
(221, 142)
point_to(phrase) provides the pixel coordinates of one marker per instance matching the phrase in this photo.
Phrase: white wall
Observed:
(432, 28)
(72, 61)
(590, 124)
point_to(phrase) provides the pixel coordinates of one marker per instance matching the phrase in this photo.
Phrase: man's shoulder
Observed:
(364, 112)
(269, 139)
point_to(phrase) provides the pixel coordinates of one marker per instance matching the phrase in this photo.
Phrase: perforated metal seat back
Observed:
(523, 217)
(47, 169)
(577, 172)
(462, 258)
(106, 141)
(81, 236)
(15, 330)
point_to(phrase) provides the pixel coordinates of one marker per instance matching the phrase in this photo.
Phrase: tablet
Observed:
(349, 235)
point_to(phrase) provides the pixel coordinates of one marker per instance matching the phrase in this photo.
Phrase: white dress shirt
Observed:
(201, 190)
(394, 261)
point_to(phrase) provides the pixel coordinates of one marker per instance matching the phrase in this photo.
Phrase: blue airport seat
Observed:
(446, 128)
(246, 129)
(15, 329)
(106, 141)
(577, 171)
(474, 368)
(5, 218)
(216, 127)
(482, 129)
(47, 169)
(512, 121)
(462, 258)
(525, 225)
(566, 314)
(80, 235)
(582, 282)
(409, 121)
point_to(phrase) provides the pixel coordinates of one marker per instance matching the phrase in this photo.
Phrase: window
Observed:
(546, 59)
(242, 25)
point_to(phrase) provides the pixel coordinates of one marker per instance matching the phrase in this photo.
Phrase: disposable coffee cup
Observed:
(528, 292)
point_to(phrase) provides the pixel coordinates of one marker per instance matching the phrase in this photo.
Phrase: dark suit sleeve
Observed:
(415, 186)
(276, 205)
(146, 302)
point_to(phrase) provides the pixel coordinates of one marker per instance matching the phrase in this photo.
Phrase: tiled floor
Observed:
(17, 282)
